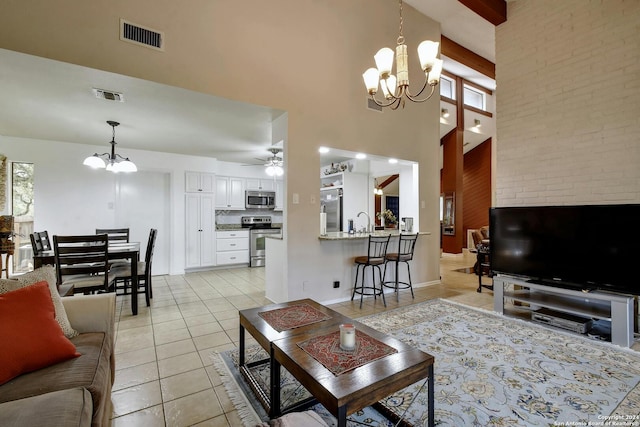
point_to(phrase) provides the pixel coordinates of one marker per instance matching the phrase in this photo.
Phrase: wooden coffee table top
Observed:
(264, 334)
(360, 387)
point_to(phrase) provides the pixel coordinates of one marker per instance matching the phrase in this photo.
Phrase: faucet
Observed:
(368, 220)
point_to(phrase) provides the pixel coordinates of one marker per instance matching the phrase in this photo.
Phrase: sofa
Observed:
(76, 391)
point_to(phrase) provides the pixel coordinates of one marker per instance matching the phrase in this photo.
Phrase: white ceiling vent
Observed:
(143, 36)
(371, 105)
(109, 95)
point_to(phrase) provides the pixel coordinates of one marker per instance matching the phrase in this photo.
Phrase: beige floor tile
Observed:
(176, 348)
(179, 364)
(149, 417)
(200, 320)
(136, 375)
(192, 409)
(133, 399)
(166, 336)
(134, 358)
(219, 421)
(184, 384)
(211, 340)
(205, 329)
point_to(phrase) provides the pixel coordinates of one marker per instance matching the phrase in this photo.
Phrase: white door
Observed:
(142, 203)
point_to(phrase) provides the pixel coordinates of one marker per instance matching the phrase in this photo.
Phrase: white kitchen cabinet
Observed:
(230, 193)
(200, 230)
(261, 184)
(199, 182)
(232, 247)
(279, 195)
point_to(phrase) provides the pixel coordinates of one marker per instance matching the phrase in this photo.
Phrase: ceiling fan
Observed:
(273, 165)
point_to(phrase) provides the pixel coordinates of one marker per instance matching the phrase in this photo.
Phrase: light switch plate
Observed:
(296, 198)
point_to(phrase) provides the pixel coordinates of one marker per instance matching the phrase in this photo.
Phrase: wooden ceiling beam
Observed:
(494, 11)
(459, 53)
(388, 180)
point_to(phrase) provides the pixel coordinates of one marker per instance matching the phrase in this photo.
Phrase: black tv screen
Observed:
(591, 247)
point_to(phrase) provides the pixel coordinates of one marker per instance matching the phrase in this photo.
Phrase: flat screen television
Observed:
(591, 247)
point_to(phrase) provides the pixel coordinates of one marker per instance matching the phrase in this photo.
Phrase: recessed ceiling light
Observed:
(393, 161)
(323, 150)
(361, 156)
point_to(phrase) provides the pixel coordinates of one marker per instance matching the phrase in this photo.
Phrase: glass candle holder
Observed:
(347, 337)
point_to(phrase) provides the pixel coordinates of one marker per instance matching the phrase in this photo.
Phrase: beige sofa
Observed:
(76, 392)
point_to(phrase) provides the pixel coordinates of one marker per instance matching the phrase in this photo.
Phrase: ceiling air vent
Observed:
(137, 34)
(371, 105)
(109, 95)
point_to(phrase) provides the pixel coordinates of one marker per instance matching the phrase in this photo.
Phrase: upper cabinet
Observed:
(279, 195)
(199, 182)
(261, 184)
(230, 193)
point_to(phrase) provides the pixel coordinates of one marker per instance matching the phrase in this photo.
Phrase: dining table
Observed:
(116, 251)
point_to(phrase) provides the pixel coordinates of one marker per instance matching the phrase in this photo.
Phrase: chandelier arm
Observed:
(381, 104)
(414, 97)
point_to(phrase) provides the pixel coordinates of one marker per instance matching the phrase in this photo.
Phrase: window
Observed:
(474, 98)
(447, 87)
(22, 209)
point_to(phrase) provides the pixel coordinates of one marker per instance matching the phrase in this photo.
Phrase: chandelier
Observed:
(396, 88)
(274, 163)
(111, 161)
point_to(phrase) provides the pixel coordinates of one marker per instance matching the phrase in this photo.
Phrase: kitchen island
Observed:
(341, 235)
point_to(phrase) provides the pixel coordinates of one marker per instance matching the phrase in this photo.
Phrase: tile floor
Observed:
(164, 372)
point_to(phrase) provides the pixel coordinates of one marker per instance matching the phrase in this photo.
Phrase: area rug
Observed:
(490, 370)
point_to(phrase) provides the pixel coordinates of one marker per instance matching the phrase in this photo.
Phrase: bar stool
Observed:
(406, 246)
(374, 258)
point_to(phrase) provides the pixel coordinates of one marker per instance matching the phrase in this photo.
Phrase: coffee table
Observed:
(264, 334)
(343, 394)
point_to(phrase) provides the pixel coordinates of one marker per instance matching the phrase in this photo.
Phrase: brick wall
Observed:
(568, 103)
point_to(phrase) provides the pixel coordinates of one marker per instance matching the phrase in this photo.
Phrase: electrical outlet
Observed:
(336, 284)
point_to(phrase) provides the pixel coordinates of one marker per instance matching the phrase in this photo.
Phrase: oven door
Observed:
(257, 245)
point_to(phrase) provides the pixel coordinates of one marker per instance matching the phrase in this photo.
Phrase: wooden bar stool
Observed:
(406, 246)
(374, 258)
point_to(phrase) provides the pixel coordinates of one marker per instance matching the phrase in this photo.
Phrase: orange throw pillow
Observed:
(30, 336)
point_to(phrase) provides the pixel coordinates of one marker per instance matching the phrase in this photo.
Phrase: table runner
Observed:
(293, 316)
(326, 350)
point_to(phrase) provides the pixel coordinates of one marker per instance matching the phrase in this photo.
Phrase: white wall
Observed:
(71, 198)
(568, 103)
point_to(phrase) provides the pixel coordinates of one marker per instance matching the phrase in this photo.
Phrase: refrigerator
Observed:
(332, 201)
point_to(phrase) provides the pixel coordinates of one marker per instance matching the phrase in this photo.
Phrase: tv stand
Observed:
(617, 309)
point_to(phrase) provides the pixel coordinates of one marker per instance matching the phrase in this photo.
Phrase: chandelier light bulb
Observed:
(94, 162)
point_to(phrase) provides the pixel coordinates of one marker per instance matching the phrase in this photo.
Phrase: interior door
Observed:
(142, 203)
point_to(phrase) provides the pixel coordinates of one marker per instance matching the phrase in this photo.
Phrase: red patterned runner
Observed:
(294, 316)
(326, 350)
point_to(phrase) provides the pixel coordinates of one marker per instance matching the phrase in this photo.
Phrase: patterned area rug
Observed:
(497, 371)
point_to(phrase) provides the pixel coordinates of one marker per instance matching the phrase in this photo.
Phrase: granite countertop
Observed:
(227, 227)
(340, 235)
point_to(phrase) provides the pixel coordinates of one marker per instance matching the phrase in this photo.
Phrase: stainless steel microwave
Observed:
(260, 199)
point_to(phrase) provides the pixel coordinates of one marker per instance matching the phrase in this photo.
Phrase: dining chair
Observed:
(82, 261)
(123, 273)
(117, 235)
(36, 243)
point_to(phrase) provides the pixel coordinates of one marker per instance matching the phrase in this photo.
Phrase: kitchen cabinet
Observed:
(199, 182)
(200, 230)
(261, 184)
(232, 247)
(279, 195)
(230, 193)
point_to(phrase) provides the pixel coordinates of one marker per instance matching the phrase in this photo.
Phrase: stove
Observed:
(259, 227)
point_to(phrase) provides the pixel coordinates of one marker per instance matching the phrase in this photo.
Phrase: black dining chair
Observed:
(115, 235)
(82, 261)
(123, 273)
